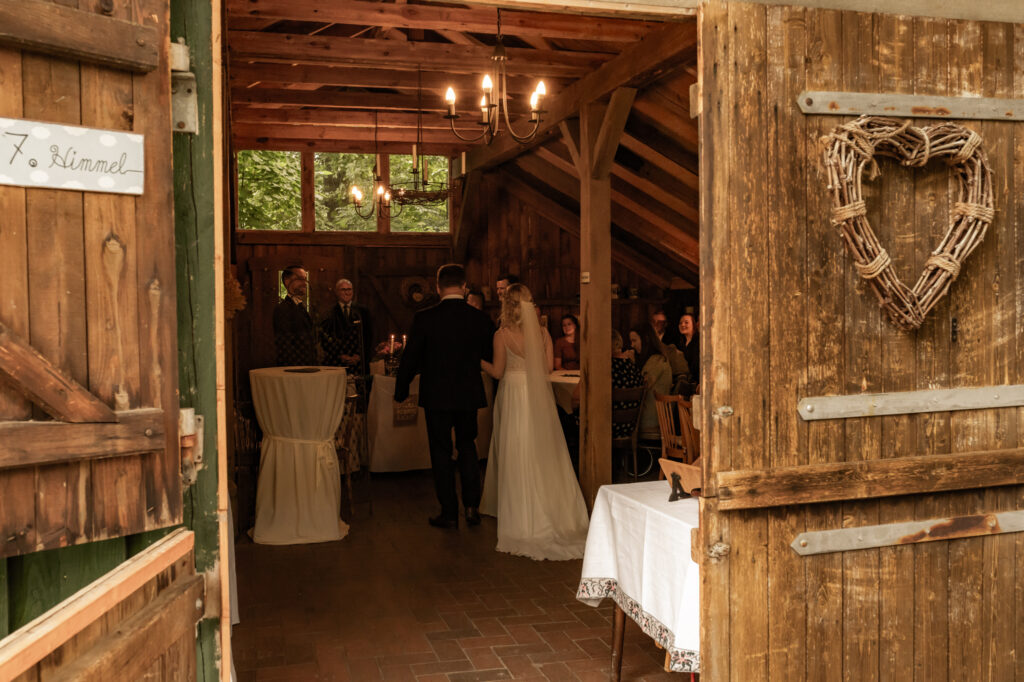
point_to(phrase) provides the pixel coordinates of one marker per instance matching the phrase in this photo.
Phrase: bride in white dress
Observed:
(530, 485)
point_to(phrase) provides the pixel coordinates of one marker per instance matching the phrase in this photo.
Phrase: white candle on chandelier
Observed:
(449, 98)
(415, 159)
(485, 110)
(357, 196)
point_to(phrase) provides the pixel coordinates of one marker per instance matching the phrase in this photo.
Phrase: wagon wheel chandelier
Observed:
(495, 107)
(419, 191)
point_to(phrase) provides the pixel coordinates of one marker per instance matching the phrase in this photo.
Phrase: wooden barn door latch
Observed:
(184, 100)
(190, 436)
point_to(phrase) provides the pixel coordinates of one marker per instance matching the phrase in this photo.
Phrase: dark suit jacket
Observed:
(293, 334)
(340, 336)
(446, 344)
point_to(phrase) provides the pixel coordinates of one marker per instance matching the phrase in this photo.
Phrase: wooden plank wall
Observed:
(787, 317)
(517, 239)
(54, 293)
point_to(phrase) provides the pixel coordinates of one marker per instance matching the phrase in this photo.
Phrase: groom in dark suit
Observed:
(446, 344)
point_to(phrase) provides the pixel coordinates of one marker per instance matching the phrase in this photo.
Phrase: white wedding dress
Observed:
(530, 484)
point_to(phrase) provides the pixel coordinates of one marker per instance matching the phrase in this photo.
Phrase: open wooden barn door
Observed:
(88, 368)
(788, 591)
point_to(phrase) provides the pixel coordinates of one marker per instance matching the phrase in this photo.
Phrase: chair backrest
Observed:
(679, 440)
(629, 415)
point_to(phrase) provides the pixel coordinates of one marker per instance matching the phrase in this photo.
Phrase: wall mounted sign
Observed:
(51, 155)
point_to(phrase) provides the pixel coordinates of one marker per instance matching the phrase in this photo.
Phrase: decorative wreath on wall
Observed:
(851, 149)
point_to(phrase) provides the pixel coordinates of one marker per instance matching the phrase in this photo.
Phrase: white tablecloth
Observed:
(638, 553)
(563, 383)
(298, 496)
(405, 448)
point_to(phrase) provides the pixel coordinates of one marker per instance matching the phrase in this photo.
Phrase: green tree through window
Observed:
(426, 217)
(334, 175)
(269, 190)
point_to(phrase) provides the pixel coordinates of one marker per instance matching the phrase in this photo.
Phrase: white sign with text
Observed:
(36, 154)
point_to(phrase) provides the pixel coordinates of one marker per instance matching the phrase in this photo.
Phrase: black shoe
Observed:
(472, 516)
(441, 521)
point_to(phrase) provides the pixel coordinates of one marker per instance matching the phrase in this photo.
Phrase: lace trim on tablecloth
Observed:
(680, 660)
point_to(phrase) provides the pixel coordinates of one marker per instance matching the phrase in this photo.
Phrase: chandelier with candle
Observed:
(390, 198)
(494, 107)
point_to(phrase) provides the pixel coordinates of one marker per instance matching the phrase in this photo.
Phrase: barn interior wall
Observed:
(788, 317)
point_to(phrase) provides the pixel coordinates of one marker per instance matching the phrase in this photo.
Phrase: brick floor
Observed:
(399, 600)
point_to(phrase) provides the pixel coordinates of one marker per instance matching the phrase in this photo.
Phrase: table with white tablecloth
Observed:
(404, 446)
(563, 384)
(298, 496)
(638, 553)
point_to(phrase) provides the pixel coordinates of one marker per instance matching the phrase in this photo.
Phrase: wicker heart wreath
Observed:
(851, 148)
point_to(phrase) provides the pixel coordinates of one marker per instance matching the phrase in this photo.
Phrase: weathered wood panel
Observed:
(786, 315)
(78, 284)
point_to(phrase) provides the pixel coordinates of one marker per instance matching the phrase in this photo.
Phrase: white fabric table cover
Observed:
(564, 384)
(638, 553)
(298, 495)
(405, 448)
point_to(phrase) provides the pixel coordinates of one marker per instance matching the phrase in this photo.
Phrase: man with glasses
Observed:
(293, 327)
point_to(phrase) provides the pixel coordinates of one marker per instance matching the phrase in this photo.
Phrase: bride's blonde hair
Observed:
(510, 311)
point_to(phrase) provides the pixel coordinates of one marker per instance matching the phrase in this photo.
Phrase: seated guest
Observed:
(650, 357)
(567, 348)
(347, 332)
(293, 327)
(690, 344)
(625, 374)
(659, 321)
(475, 298)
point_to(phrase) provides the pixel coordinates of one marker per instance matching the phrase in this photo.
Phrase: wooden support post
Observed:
(599, 132)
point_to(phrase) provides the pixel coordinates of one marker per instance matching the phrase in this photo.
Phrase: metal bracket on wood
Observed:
(911, 532)
(910, 402)
(184, 101)
(910, 106)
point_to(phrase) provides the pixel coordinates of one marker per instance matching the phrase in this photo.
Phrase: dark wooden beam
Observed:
(374, 53)
(343, 100)
(671, 121)
(472, 20)
(635, 67)
(611, 130)
(374, 239)
(342, 146)
(569, 221)
(347, 118)
(669, 229)
(433, 83)
(34, 443)
(42, 382)
(468, 217)
(61, 31)
(281, 131)
(657, 158)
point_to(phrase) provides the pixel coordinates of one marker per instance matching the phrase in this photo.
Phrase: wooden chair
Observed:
(679, 440)
(628, 416)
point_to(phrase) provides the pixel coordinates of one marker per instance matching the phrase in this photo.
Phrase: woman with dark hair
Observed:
(567, 348)
(650, 358)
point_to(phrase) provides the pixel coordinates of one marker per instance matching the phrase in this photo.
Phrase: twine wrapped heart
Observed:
(851, 149)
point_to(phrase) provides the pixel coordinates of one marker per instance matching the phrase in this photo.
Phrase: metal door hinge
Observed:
(184, 102)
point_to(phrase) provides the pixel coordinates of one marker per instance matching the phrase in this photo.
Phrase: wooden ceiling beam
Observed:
(344, 100)
(569, 221)
(472, 19)
(293, 48)
(281, 131)
(345, 118)
(659, 160)
(434, 83)
(342, 146)
(672, 121)
(664, 236)
(636, 66)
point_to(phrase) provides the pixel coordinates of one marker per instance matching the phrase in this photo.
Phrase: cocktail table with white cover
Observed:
(298, 496)
(563, 384)
(638, 553)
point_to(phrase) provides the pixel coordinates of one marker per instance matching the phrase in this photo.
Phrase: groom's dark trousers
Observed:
(446, 344)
